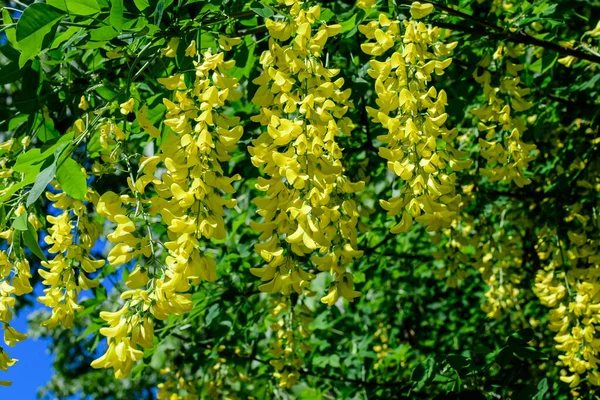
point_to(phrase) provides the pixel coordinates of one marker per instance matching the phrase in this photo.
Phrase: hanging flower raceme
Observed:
(190, 199)
(191, 193)
(418, 147)
(15, 274)
(506, 154)
(290, 328)
(309, 209)
(499, 258)
(131, 327)
(569, 284)
(71, 236)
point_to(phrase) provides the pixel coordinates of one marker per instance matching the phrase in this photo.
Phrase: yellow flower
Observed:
(567, 61)
(171, 49)
(418, 10)
(127, 107)
(227, 43)
(11, 336)
(190, 51)
(365, 4)
(145, 124)
(5, 361)
(83, 103)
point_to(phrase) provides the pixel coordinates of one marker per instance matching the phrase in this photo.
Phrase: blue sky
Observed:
(34, 368)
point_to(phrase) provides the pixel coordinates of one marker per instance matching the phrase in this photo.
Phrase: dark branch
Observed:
(487, 29)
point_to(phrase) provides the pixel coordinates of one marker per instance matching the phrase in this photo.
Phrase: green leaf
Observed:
(16, 241)
(504, 356)
(29, 179)
(141, 4)
(10, 32)
(158, 12)
(72, 179)
(326, 14)
(349, 24)
(30, 238)
(35, 23)
(104, 33)
(116, 13)
(20, 223)
(41, 182)
(39, 155)
(106, 93)
(542, 389)
(212, 312)
(520, 337)
(36, 18)
(334, 360)
(45, 176)
(64, 36)
(10, 73)
(76, 7)
(2, 217)
(457, 361)
(28, 98)
(529, 353)
(261, 10)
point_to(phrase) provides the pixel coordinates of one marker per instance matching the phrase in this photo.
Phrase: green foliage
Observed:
(439, 342)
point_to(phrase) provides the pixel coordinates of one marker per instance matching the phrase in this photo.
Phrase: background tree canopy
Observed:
(285, 199)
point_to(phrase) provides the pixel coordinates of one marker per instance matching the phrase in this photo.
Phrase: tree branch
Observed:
(516, 37)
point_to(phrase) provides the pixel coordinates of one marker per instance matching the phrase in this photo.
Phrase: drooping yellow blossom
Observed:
(418, 10)
(309, 208)
(129, 330)
(145, 124)
(171, 49)
(502, 129)
(227, 43)
(108, 132)
(191, 191)
(127, 107)
(191, 51)
(309, 214)
(190, 200)
(66, 273)
(418, 147)
(83, 104)
(365, 4)
(569, 284)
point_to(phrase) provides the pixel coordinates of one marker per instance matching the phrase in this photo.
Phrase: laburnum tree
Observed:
(303, 199)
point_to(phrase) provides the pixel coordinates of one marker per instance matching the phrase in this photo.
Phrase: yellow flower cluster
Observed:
(190, 196)
(382, 349)
(569, 284)
(506, 154)
(71, 242)
(288, 348)
(494, 249)
(130, 327)
(189, 200)
(174, 385)
(220, 378)
(452, 244)
(309, 208)
(499, 259)
(13, 264)
(417, 146)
